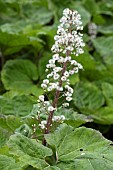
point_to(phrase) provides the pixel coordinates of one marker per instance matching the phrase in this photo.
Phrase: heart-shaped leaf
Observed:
(28, 151)
(82, 148)
(87, 96)
(19, 75)
(18, 105)
(104, 45)
(8, 163)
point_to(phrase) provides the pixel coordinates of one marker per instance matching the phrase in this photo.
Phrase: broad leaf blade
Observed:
(87, 96)
(72, 118)
(28, 151)
(4, 136)
(104, 45)
(103, 115)
(19, 75)
(18, 106)
(8, 163)
(107, 89)
(81, 149)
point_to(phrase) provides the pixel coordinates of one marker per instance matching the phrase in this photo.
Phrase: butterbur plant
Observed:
(68, 42)
(61, 145)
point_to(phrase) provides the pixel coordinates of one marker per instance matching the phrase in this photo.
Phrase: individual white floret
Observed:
(56, 76)
(68, 98)
(68, 94)
(67, 58)
(46, 103)
(76, 70)
(51, 61)
(73, 62)
(49, 88)
(42, 124)
(80, 66)
(41, 98)
(62, 117)
(49, 75)
(66, 74)
(63, 78)
(65, 104)
(51, 108)
(57, 69)
(58, 118)
(55, 56)
(46, 81)
(61, 59)
(59, 88)
(44, 86)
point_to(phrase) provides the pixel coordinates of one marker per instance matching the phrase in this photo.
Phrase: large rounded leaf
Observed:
(51, 168)
(18, 105)
(72, 118)
(87, 96)
(28, 151)
(8, 163)
(103, 115)
(107, 91)
(81, 149)
(104, 45)
(19, 75)
(4, 136)
(10, 123)
(106, 29)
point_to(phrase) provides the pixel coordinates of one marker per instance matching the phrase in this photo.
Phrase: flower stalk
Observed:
(68, 42)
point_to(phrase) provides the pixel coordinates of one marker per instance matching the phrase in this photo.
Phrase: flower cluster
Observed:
(59, 119)
(61, 66)
(68, 36)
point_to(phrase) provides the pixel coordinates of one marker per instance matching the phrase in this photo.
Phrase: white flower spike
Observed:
(68, 42)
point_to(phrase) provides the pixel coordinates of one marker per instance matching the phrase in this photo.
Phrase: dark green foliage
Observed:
(27, 29)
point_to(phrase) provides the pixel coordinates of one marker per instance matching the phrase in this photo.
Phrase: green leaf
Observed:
(4, 150)
(4, 136)
(28, 151)
(94, 70)
(24, 130)
(42, 19)
(52, 168)
(8, 163)
(87, 61)
(81, 148)
(58, 135)
(91, 6)
(99, 19)
(12, 41)
(104, 45)
(60, 3)
(72, 118)
(10, 123)
(103, 115)
(107, 89)
(19, 75)
(105, 8)
(108, 60)
(106, 29)
(74, 79)
(85, 15)
(18, 106)
(30, 168)
(87, 96)
(42, 64)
